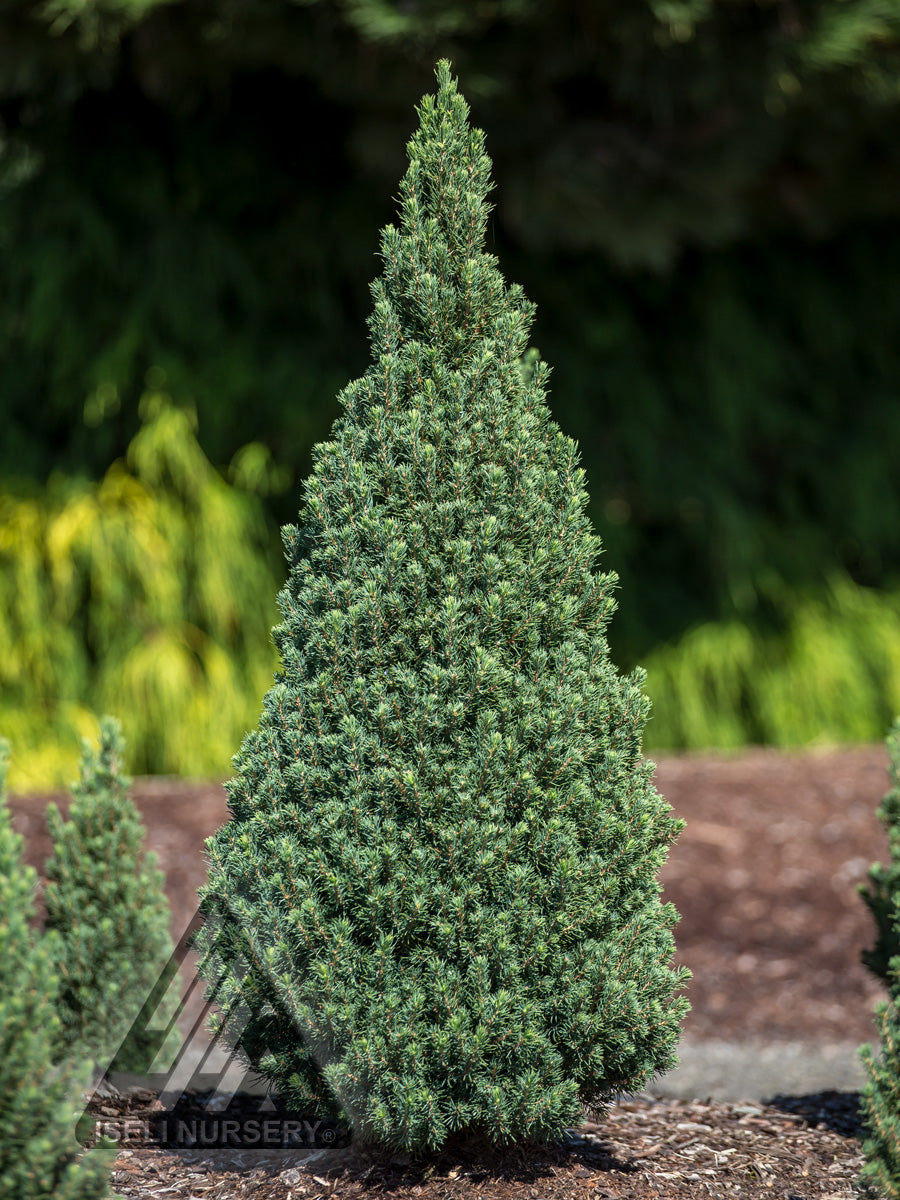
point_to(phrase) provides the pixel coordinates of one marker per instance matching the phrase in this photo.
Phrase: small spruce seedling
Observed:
(883, 892)
(108, 917)
(880, 1096)
(40, 1158)
(435, 906)
(879, 1103)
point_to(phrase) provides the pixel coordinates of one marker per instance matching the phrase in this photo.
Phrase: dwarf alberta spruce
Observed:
(880, 1095)
(108, 920)
(40, 1158)
(435, 906)
(882, 893)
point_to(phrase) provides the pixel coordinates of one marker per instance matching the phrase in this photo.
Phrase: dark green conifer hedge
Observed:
(436, 902)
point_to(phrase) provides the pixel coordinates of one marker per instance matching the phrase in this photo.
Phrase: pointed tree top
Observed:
(449, 174)
(439, 287)
(103, 769)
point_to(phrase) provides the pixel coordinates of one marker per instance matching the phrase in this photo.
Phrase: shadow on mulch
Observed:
(837, 1112)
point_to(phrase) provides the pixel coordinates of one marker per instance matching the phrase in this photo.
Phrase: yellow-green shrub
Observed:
(148, 594)
(831, 676)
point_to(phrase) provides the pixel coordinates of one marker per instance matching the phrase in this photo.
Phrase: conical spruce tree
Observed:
(109, 918)
(40, 1158)
(883, 892)
(435, 905)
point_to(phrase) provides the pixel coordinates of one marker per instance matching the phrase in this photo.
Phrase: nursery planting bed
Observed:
(765, 878)
(644, 1148)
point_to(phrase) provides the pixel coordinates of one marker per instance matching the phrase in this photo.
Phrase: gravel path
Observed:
(708, 1071)
(757, 1071)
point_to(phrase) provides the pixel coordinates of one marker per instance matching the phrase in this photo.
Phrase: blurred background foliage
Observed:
(150, 594)
(700, 195)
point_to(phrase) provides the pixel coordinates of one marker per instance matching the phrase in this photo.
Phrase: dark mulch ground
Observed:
(676, 1149)
(765, 878)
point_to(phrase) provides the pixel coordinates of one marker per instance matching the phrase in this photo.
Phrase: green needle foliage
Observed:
(880, 1098)
(435, 905)
(883, 894)
(108, 917)
(40, 1158)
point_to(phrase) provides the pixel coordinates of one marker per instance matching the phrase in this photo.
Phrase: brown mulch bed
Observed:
(664, 1148)
(765, 878)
